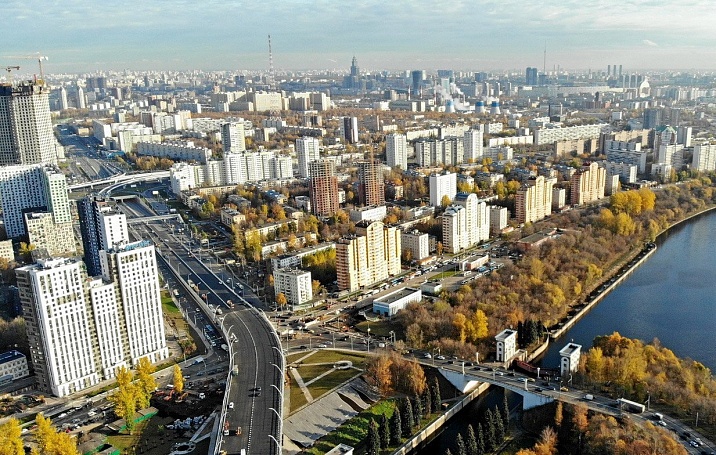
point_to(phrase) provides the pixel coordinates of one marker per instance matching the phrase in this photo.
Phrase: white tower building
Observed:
(233, 137)
(396, 151)
(306, 151)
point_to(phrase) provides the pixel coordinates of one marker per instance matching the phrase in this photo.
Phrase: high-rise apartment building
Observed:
(465, 223)
(102, 227)
(26, 135)
(533, 200)
(472, 146)
(27, 188)
(43, 232)
(369, 256)
(323, 187)
(371, 189)
(233, 137)
(81, 330)
(307, 150)
(704, 159)
(587, 184)
(432, 152)
(349, 130)
(652, 118)
(531, 76)
(442, 185)
(396, 151)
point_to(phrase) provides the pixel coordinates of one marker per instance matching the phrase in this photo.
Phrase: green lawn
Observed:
(124, 442)
(380, 328)
(354, 430)
(169, 306)
(295, 356)
(328, 382)
(325, 356)
(298, 399)
(309, 372)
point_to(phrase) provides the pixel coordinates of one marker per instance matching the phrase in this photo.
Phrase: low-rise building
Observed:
(295, 259)
(506, 345)
(229, 217)
(6, 251)
(432, 287)
(13, 366)
(569, 359)
(371, 213)
(390, 304)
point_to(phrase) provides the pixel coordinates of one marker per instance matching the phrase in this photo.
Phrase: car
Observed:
(440, 357)
(427, 355)
(694, 443)
(322, 345)
(231, 405)
(538, 389)
(303, 347)
(257, 394)
(662, 423)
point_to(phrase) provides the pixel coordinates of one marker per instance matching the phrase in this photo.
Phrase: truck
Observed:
(589, 397)
(631, 406)
(235, 370)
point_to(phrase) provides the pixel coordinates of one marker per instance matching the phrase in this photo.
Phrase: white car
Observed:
(231, 405)
(428, 356)
(322, 345)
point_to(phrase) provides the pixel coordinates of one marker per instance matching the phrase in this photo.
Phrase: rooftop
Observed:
(505, 334)
(396, 295)
(10, 356)
(570, 348)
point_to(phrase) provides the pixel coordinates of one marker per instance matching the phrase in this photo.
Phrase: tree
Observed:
(315, 287)
(445, 201)
(417, 410)
(547, 444)
(373, 439)
(378, 374)
(505, 412)
(384, 431)
(499, 426)
(281, 300)
(396, 428)
(439, 248)
(471, 441)
(407, 418)
(146, 384)
(447, 451)
(435, 392)
(461, 449)
(558, 415)
(481, 447)
(178, 379)
(490, 432)
(427, 402)
(50, 441)
(126, 397)
(11, 438)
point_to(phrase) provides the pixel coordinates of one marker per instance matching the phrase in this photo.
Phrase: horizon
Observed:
(80, 36)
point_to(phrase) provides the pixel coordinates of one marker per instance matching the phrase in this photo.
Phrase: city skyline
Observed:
(79, 36)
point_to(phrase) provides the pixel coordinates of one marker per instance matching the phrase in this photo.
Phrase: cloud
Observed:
(650, 43)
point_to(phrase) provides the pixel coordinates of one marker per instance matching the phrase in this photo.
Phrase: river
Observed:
(672, 297)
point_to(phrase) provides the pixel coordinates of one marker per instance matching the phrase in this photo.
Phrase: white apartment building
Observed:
(472, 146)
(112, 227)
(26, 135)
(13, 366)
(626, 172)
(396, 151)
(704, 159)
(307, 150)
(551, 133)
(175, 150)
(432, 152)
(295, 284)
(498, 219)
(465, 223)
(501, 153)
(233, 136)
(626, 152)
(27, 187)
(442, 185)
(533, 200)
(418, 243)
(6, 250)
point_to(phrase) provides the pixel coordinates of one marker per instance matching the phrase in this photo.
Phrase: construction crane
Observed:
(36, 56)
(10, 68)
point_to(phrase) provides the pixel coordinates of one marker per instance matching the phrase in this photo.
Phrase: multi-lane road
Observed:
(253, 401)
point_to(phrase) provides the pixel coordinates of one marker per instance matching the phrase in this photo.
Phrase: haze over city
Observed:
(80, 35)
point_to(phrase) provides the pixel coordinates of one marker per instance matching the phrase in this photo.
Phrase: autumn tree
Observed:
(50, 441)
(125, 398)
(281, 300)
(178, 378)
(11, 438)
(378, 374)
(146, 384)
(547, 444)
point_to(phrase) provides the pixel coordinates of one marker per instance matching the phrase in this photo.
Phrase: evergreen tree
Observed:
(498, 425)
(481, 447)
(534, 331)
(407, 418)
(447, 451)
(461, 449)
(396, 428)
(372, 445)
(506, 413)
(471, 441)
(384, 431)
(437, 401)
(520, 334)
(427, 403)
(490, 432)
(417, 410)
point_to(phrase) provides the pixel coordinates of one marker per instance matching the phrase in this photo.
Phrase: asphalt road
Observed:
(256, 350)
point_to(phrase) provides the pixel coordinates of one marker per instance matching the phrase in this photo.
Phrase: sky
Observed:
(477, 35)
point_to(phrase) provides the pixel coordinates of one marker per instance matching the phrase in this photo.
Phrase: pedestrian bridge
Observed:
(466, 382)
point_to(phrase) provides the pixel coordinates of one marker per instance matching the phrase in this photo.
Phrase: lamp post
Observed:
(368, 345)
(648, 400)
